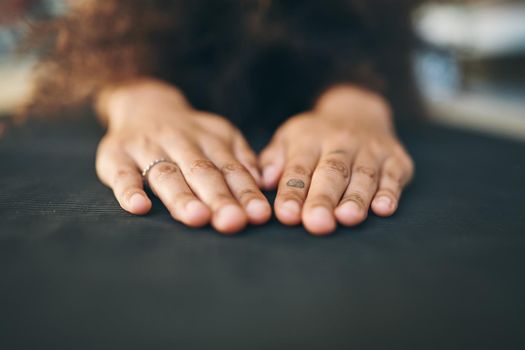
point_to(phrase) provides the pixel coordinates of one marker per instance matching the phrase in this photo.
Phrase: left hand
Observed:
(334, 163)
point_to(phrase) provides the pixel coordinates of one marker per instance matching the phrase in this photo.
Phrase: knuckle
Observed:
(222, 199)
(123, 175)
(321, 200)
(355, 197)
(247, 195)
(339, 152)
(388, 192)
(299, 170)
(296, 170)
(368, 171)
(291, 196)
(394, 177)
(203, 165)
(163, 171)
(233, 167)
(335, 166)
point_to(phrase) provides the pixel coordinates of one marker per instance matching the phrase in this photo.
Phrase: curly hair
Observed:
(230, 56)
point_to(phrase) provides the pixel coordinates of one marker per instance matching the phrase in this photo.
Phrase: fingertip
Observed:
(258, 211)
(197, 214)
(319, 221)
(288, 212)
(384, 206)
(139, 204)
(350, 214)
(230, 219)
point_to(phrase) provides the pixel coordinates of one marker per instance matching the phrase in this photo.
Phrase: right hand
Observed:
(214, 175)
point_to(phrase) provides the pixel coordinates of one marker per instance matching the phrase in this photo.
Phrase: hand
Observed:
(332, 164)
(213, 177)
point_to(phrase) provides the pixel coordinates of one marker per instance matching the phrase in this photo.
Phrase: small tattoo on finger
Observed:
(295, 183)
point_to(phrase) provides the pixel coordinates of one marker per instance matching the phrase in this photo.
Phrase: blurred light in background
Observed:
(476, 29)
(15, 71)
(471, 67)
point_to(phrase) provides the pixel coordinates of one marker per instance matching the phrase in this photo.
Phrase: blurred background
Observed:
(469, 66)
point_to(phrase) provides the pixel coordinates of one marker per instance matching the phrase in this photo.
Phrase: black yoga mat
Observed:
(76, 272)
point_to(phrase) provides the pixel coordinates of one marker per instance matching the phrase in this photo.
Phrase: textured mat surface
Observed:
(447, 271)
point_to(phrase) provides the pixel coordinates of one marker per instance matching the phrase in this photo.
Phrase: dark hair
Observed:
(230, 56)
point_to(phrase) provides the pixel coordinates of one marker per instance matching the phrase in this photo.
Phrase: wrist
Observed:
(349, 101)
(118, 104)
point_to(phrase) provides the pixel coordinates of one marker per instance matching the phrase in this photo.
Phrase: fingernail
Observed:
(196, 213)
(320, 220)
(256, 207)
(384, 203)
(137, 202)
(320, 214)
(291, 207)
(195, 207)
(269, 174)
(230, 218)
(229, 213)
(350, 212)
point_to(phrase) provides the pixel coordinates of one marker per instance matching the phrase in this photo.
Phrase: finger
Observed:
(245, 154)
(240, 182)
(394, 177)
(208, 183)
(271, 161)
(353, 207)
(116, 170)
(167, 182)
(329, 182)
(300, 163)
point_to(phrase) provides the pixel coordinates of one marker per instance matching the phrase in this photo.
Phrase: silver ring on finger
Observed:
(151, 165)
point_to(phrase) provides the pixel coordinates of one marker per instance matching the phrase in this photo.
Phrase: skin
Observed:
(330, 165)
